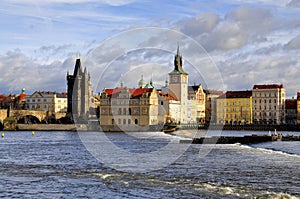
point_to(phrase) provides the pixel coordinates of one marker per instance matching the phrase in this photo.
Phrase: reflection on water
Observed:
(57, 165)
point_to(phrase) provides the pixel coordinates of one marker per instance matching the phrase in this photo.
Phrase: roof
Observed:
(237, 94)
(193, 88)
(135, 92)
(267, 86)
(291, 104)
(178, 64)
(167, 96)
(213, 92)
(42, 93)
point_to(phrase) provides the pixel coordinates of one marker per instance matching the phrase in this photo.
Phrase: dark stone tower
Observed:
(79, 93)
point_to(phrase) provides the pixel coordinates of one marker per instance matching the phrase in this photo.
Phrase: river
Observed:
(141, 165)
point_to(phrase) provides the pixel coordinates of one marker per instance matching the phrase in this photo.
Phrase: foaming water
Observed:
(57, 165)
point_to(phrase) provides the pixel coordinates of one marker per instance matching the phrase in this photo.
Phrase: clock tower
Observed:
(178, 86)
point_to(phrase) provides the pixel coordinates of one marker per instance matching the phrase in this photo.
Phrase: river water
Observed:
(64, 165)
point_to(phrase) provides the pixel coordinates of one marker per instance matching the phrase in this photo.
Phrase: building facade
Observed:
(178, 86)
(291, 111)
(268, 104)
(298, 107)
(80, 97)
(234, 107)
(211, 105)
(196, 104)
(129, 109)
(52, 102)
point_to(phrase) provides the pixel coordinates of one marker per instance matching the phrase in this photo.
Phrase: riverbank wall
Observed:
(45, 127)
(245, 127)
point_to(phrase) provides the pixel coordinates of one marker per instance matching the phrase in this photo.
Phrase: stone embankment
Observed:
(45, 127)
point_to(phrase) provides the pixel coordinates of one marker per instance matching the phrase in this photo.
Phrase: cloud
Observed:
(202, 23)
(293, 43)
(22, 71)
(294, 3)
(108, 2)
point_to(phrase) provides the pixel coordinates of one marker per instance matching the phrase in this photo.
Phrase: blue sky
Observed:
(239, 43)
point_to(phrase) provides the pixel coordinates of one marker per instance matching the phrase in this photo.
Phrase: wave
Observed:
(269, 150)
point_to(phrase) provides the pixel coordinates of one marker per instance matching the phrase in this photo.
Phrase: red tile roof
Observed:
(267, 86)
(237, 94)
(167, 96)
(135, 92)
(291, 104)
(298, 95)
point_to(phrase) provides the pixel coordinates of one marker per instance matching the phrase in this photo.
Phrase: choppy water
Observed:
(57, 165)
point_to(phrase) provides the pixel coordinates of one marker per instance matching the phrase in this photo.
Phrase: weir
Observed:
(249, 139)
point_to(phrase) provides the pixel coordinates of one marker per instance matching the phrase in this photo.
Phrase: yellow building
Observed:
(235, 107)
(298, 107)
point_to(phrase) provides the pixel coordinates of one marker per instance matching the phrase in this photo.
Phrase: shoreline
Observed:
(94, 127)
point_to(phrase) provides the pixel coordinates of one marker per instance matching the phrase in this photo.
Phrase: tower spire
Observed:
(178, 51)
(178, 62)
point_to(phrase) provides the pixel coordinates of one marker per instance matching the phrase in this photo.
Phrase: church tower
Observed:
(178, 86)
(79, 93)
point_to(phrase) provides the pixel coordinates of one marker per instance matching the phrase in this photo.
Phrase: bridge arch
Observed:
(29, 119)
(1, 126)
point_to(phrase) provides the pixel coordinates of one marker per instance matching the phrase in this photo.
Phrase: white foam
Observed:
(268, 151)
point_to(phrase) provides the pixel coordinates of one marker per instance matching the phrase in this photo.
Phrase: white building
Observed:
(268, 104)
(47, 101)
(178, 88)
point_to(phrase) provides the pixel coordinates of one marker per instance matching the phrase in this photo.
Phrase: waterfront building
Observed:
(268, 104)
(291, 111)
(178, 89)
(51, 102)
(80, 98)
(13, 101)
(129, 108)
(211, 105)
(234, 107)
(298, 107)
(196, 104)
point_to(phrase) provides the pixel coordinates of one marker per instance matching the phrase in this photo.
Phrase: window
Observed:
(129, 121)
(136, 121)
(124, 121)
(119, 121)
(112, 121)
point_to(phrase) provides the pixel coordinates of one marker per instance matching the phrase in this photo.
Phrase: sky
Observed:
(225, 45)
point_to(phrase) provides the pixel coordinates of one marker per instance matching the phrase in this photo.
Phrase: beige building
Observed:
(47, 101)
(268, 104)
(128, 109)
(196, 104)
(211, 105)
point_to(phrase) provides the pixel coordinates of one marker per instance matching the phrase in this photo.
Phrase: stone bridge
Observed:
(21, 113)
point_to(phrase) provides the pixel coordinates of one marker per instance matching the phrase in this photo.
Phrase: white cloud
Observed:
(108, 2)
(294, 43)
